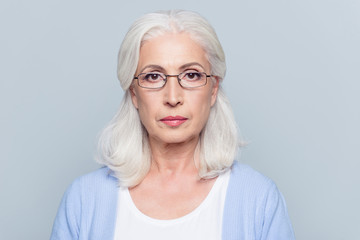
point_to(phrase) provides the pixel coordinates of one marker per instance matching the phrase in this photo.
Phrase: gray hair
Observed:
(123, 144)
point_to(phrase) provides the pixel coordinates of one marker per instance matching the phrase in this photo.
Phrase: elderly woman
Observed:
(169, 152)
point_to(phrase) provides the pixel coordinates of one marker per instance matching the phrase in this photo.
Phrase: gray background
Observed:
(293, 81)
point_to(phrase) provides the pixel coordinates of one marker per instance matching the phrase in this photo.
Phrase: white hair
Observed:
(123, 144)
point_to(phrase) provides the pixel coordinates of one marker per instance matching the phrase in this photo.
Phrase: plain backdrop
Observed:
(293, 81)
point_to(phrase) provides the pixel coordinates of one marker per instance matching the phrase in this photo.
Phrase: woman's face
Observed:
(173, 114)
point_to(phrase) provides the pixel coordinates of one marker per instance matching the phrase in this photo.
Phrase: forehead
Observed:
(172, 50)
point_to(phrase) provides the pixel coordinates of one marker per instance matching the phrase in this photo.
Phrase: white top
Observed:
(205, 222)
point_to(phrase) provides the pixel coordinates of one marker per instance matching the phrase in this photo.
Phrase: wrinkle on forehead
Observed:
(173, 54)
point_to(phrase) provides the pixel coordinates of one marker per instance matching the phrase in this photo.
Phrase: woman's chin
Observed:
(174, 139)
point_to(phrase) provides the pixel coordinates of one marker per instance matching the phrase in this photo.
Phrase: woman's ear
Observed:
(214, 90)
(133, 96)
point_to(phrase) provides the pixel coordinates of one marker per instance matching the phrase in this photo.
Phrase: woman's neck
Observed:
(174, 158)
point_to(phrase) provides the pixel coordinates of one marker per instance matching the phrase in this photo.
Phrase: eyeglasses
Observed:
(187, 79)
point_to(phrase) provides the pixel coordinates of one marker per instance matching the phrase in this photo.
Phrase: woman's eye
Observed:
(193, 76)
(152, 77)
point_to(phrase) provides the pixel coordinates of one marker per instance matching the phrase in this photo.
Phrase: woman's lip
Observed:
(173, 118)
(173, 121)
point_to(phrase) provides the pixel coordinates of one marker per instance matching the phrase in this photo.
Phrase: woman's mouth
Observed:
(173, 121)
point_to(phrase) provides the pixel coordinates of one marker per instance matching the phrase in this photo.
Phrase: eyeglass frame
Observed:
(172, 75)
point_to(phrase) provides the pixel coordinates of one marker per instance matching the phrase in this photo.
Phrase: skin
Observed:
(172, 187)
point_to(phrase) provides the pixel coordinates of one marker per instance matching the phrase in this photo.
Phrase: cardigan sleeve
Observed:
(67, 221)
(276, 222)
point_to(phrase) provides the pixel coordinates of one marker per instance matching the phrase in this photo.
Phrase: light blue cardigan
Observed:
(254, 208)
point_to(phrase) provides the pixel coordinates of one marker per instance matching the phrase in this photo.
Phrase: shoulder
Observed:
(244, 176)
(250, 190)
(96, 178)
(254, 199)
(87, 204)
(89, 187)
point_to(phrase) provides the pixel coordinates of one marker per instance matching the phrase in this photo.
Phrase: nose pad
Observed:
(173, 95)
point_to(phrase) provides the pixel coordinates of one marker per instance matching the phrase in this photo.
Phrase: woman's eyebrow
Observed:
(153, 66)
(181, 68)
(192, 64)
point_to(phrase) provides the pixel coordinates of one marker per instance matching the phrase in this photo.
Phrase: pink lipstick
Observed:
(173, 121)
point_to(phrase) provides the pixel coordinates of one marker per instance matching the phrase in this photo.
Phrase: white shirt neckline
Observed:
(204, 203)
(204, 222)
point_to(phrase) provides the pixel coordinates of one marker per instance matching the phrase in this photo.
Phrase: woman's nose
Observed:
(173, 92)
